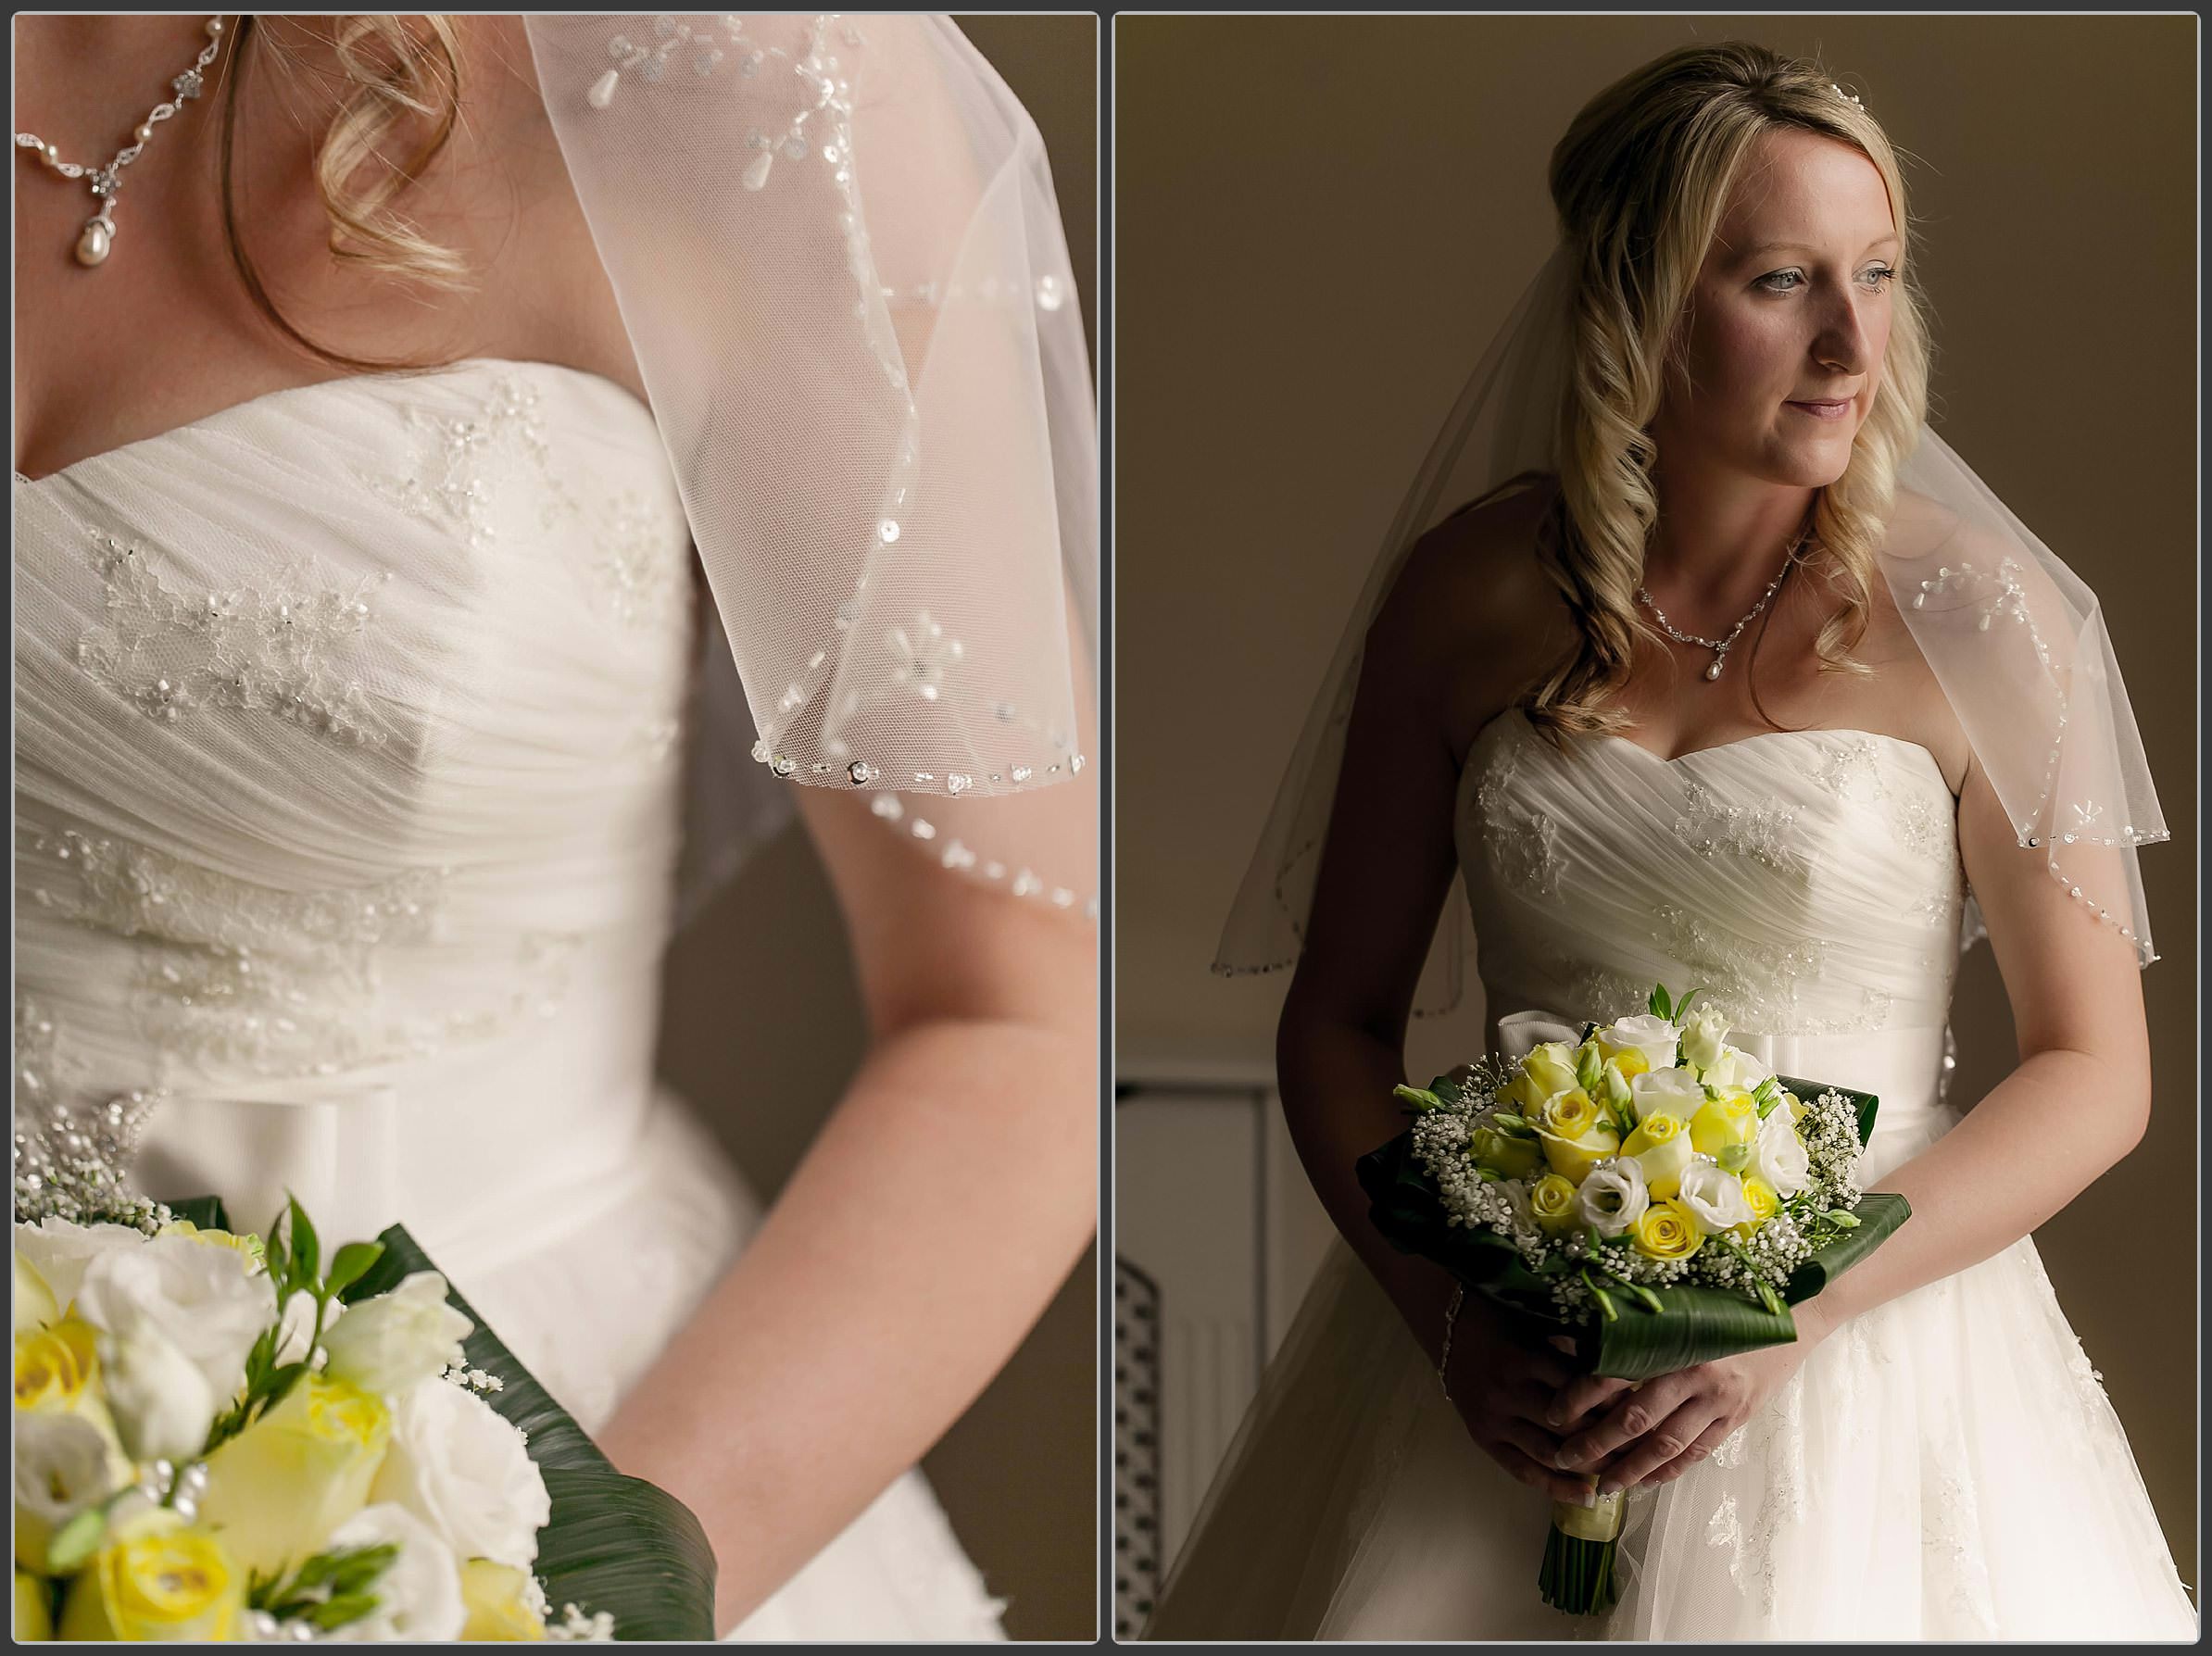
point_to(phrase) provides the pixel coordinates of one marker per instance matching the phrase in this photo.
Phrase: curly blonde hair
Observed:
(393, 71)
(1640, 182)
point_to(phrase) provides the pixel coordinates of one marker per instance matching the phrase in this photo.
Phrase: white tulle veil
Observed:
(2013, 637)
(838, 256)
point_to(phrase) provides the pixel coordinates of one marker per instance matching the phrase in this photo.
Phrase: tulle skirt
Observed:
(1946, 1466)
(587, 1303)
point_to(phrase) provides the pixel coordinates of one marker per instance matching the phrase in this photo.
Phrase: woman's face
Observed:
(1789, 316)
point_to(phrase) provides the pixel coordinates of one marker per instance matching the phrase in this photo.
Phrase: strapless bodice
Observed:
(1808, 883)
(347, 789)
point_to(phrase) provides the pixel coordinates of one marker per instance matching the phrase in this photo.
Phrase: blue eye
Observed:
(1881, 275)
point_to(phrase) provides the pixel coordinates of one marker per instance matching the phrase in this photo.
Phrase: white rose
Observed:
(418, 1594)
(1715, 1197)
(462, 1469)
(192, 1294)
(396, 1341)
(159, 1396)
(1647, 1033)
(1703, 1041)
(1669, 1092)
(63, 1466)
(59, 1252)
(1781, 1157)
(1613, 1196)
(1736, 1069)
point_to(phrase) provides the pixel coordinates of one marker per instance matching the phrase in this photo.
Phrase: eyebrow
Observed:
(1766, 247)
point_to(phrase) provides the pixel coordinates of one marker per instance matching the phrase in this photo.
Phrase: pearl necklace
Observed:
(1720, 647)
(98, 235)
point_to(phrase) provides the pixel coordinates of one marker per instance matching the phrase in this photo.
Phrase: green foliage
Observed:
(328, 1590)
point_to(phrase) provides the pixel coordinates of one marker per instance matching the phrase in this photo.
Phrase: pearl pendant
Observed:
(1713, 672)
(92, 246)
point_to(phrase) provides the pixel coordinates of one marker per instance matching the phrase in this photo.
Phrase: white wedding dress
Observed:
(348, 773)
(1946, 1466)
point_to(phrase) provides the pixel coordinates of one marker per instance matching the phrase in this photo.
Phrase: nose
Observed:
(1842, 345)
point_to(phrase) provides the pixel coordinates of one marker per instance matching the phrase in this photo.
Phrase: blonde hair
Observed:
(391, 70)
(1640, 182)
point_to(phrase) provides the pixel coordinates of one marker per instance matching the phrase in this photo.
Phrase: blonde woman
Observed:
(1703, 662)
(385, 386)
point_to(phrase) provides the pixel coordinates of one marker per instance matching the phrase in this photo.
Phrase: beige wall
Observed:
(1322, 221)
(763, 1026)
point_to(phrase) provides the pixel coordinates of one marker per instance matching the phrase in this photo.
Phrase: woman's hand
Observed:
(1654, 1433)
(1502, 1390)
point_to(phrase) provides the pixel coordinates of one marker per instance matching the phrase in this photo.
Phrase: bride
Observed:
(1704, 662)
(363, 712)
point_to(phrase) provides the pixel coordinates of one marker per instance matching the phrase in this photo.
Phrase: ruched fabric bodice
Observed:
(1808, 883)
(347, 771)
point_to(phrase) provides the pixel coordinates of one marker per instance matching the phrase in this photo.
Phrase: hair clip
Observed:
(1853, 96)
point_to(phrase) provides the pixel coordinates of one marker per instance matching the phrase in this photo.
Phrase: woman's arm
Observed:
(2078, 1101)
(925, 1230)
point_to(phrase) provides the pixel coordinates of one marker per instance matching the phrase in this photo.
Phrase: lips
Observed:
(1826, 409)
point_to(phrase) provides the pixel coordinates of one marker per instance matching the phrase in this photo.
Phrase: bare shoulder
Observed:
(1476, 609)
(531, 244)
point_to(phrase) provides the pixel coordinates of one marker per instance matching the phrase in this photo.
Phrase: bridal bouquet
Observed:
(224, 1435)
(1650, 1191)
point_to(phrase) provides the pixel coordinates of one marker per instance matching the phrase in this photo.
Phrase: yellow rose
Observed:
(57, 1371)
(1661, 1143)
(1572, 1158)
(1765, 1203)
(1666, 1232)
(277, 1490)
(1626, 1060)
(34, 1613)
(1567, 1114)
(1731, 1119)
(1503, 1154)
(247, 1248)
(1552, 1201)
(1548, 1069)
(160, 1579)
(35, 1300)
(493, 1593)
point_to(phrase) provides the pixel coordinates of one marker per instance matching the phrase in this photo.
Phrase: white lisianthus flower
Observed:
(394, 1342)
(1736, 1070)
(59, 1252)
(1613, 1196)
(418, 1594)
(1667, 1092)
(462, 1469)
(1648, 1035)
(63, 1466)
(1781, 1157)
(192, 1294)
(1715, 1197)
(298, 1327)
(1704, 1040)
(159, 1396)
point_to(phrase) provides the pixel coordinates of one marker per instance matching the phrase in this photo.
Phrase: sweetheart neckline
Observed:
(205, 421)
(1520, 715)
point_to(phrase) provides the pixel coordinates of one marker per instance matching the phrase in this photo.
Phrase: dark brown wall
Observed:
(1322, 221)
(764, 1027)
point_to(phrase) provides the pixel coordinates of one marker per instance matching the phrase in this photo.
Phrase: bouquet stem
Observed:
(1579, 1554)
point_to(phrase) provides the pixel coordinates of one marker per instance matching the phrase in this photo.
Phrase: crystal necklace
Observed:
(98, 235)
(1720, 647)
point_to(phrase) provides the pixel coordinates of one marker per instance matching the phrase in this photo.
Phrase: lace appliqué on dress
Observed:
(1766, 834)
(1775, 1442)
(284, 649)
(1522, 845)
